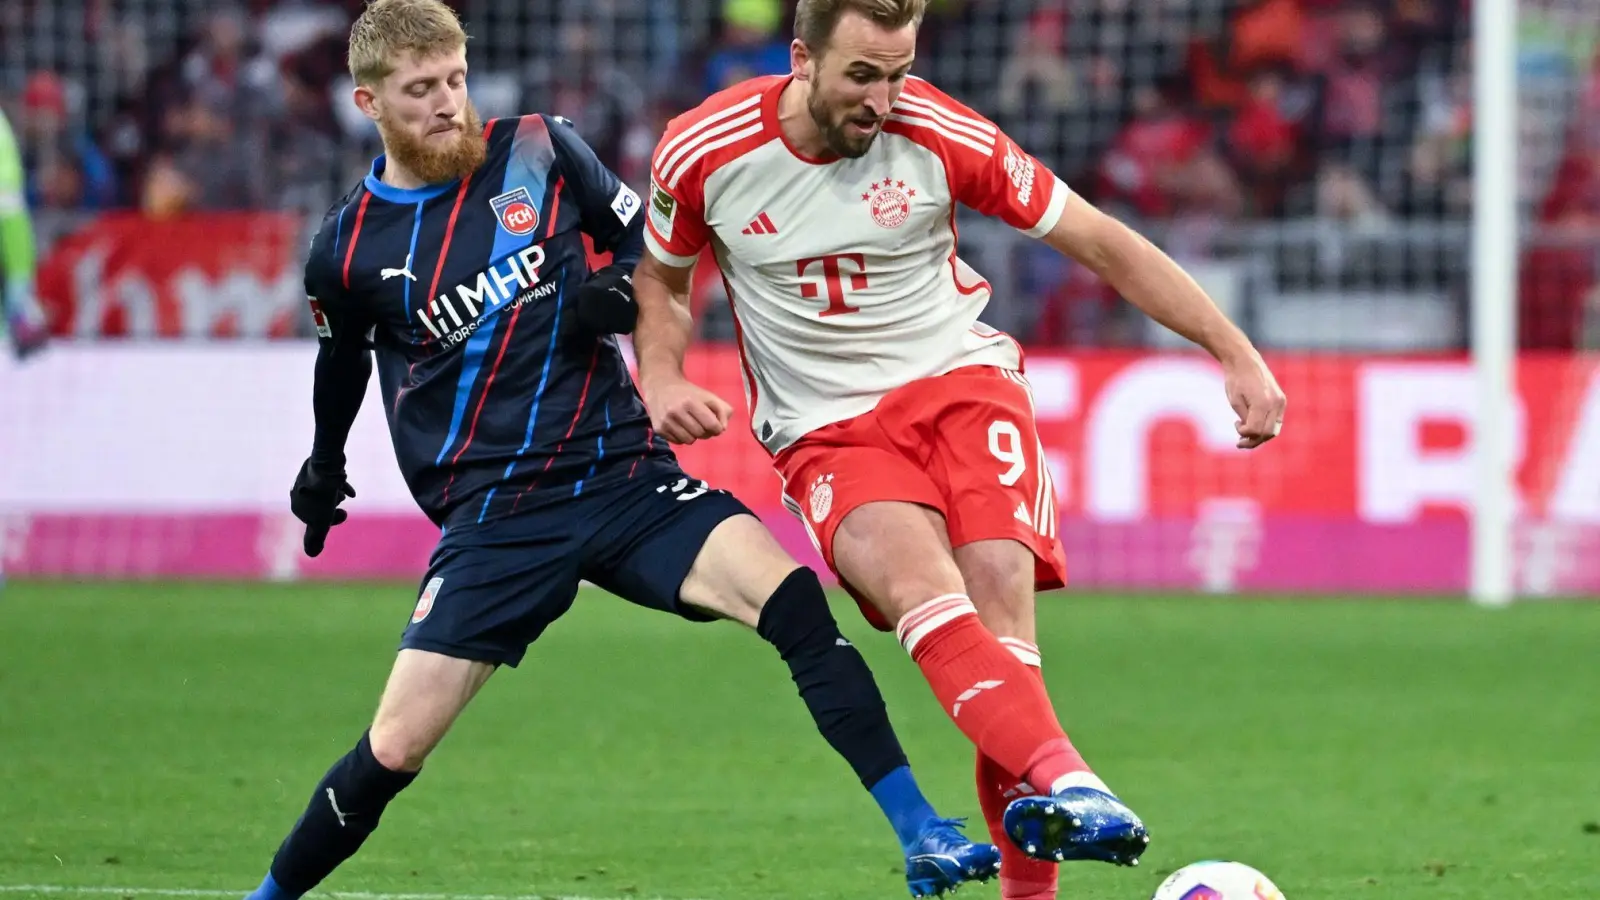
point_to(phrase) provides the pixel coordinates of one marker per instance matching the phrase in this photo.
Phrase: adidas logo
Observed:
(1018, 791)
(761, 225)
(1022, 516)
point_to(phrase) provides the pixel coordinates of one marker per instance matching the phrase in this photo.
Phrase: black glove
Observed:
(315, 500)
(604, 304)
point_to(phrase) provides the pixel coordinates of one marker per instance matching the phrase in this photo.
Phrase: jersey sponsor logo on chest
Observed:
(455, 314)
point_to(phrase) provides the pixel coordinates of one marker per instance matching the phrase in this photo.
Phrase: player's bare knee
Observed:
(739, 606)
(999, 575)
(898, 555)
(425, 694)
(737, 570)
(399, 748)
(911, 582)
(915, 590)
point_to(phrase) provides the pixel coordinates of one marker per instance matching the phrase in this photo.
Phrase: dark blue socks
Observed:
(843, 697)
(902, 801)
(344, 809)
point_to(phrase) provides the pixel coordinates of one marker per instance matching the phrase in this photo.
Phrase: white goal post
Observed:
(1495, 249)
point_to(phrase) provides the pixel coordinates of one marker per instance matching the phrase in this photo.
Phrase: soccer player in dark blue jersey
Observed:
(459, 263)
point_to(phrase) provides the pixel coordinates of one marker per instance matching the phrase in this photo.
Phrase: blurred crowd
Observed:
(1216, 112)
(1227, 108)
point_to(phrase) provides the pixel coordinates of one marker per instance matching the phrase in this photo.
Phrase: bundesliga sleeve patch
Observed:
(662, 211)
(626, 204)
(319, 318)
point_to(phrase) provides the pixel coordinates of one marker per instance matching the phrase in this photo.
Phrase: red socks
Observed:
(1021, 877)
(998, 702)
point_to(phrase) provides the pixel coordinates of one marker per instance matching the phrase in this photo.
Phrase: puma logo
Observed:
(334, 802)
(387, 274)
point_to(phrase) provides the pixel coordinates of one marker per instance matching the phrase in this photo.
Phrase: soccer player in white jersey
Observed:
(902, 426)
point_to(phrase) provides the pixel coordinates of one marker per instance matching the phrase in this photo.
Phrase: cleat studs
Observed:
(1077, 822)
(1049, 809)
(1032, 848)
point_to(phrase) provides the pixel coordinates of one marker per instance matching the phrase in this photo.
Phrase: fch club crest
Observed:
(516, 211)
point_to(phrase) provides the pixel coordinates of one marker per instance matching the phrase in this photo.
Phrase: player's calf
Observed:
(741, 573)
(344, 810)
(894, 551)
(1021, 876)
(425, 693)
(845, 702)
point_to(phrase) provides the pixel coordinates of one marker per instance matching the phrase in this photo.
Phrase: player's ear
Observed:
(800, 60)
(366, 100)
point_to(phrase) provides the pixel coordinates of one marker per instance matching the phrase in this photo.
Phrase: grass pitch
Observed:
(163, 738)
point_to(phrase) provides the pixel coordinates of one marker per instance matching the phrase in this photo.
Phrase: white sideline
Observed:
(67, 890)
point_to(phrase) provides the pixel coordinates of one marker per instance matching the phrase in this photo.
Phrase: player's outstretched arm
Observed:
(991, 174)
(681, 411)
(1152, 281)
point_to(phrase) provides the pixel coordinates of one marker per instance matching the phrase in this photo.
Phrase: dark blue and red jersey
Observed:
(464, 293)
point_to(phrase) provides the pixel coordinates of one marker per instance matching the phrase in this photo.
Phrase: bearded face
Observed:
(428, 123)
(856, 80)
(436, 151)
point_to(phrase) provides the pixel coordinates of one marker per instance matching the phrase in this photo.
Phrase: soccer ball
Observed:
(1217, 880)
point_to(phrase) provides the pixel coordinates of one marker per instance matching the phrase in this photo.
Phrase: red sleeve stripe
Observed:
(975, 127)
(697, 132)
(676, 172)
(960, 124)
(980, 129)
(916, 121)
(355, 235)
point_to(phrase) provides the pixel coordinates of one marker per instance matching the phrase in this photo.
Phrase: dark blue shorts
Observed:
(492, 589)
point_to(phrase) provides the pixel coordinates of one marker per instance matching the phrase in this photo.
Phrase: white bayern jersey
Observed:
(843, 273)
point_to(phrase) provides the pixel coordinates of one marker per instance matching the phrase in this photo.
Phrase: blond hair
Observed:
(815, 20)
(388, 28)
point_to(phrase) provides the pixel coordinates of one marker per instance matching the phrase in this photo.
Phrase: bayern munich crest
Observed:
(890, 202)
(821, 498)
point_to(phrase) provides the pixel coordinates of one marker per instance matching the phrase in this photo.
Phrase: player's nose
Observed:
(878, 101)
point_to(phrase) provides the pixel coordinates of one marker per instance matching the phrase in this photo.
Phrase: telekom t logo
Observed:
(833, 281)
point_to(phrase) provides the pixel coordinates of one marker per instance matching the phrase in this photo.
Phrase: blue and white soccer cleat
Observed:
(1076, 823)
(943, 859)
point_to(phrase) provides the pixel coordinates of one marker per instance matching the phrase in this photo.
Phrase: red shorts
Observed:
(964, 444)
